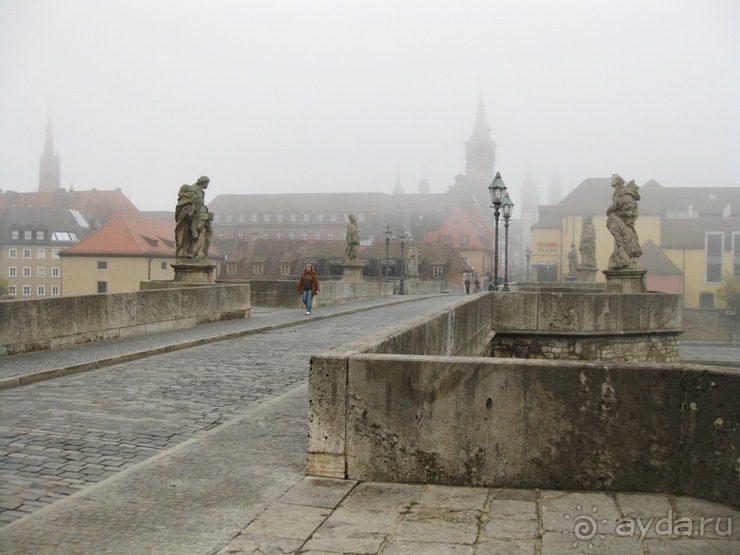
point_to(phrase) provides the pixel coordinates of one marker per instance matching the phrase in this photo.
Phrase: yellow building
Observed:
(689, 236)
(118, 256)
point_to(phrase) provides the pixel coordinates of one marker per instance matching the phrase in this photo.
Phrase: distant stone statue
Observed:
(193, 221)
(412, 262)
(621, 218)
(573, 260)
(587, 248)
(353, 240)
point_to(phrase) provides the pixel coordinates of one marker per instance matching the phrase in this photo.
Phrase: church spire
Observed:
(49, 164)
(480, 150)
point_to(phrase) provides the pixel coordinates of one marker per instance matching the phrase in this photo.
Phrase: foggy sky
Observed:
(300, 96)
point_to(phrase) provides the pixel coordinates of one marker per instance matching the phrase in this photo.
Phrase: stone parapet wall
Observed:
(284, 293)
(586, 313)
(387, 409)
(422, 287)
(605, 347)
(532, 424)
(41, 324)
(580, 326)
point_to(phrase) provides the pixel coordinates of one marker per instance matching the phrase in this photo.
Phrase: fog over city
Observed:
(331, 96)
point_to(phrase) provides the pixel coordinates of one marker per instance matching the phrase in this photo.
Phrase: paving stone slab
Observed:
(453, 497)
(282, 520)
(318, 492)
(507, 547)
(440, 525)
(374, 495)
(396, 547)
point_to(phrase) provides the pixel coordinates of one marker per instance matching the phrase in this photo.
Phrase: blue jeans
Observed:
(307, 298)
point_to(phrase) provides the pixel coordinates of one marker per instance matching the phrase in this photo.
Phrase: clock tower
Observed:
(480, 150)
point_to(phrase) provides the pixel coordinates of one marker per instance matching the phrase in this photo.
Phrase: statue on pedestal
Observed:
(353, 240)
(621, 217)
(193, 222)
(587, 248)
(412, 262)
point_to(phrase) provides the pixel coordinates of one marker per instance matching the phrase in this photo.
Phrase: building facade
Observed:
(120, 255)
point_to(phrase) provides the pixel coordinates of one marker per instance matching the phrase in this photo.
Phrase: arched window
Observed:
(706, 300)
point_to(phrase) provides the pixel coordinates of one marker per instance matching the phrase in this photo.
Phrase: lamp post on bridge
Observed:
(497, 189)
(528, 252)
(507, 207)
(388, 233)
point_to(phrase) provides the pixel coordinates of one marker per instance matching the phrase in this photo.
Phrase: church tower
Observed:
(50, 165)
(480, 150)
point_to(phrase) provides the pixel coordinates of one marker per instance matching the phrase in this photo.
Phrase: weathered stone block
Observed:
(514, 310)
(445, 421)
(327, 394)
(592, 426)
(711, 435)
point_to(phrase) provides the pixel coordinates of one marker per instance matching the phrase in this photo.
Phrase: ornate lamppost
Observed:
(507, 207)
(528, 252)
(402, 237)
(497, 190)
(388, 234)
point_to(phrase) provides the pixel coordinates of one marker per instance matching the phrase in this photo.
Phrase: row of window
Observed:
(40, 290)
(280, 217)
(258, 270)
(40, 253)
(102, 265)
(15, 235)
(331, 236)
(40, 272)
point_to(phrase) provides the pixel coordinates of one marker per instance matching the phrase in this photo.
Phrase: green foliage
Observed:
(730, 292)
(3, 287)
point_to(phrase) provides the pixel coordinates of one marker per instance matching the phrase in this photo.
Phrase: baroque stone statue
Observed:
(353, 240)
(572, 260)
(621, 218)
(587, 248)
(412, 262)
(193, 222)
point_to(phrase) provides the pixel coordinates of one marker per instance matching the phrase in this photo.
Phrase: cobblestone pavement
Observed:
(62, 435)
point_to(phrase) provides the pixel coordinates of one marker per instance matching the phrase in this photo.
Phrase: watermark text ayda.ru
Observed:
(669, 525)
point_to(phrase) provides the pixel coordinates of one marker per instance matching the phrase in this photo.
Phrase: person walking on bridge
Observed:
(308, 286)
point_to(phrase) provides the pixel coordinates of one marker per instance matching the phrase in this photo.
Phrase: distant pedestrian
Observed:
(467, 285)
(308, 286)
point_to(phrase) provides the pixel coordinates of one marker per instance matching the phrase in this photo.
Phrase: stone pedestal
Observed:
(352, 271)
(625, 281)
(194, 272)
(587, 274)
(411, 277)
(570, 278)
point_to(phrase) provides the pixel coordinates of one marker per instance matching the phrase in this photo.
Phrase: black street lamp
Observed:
(403, 262)
(528, 252)
(497, 190)
(507, 207)
(388, 233)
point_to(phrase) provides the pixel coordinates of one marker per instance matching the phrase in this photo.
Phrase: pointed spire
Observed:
(481, 130)
(49, 164)
(398, 190)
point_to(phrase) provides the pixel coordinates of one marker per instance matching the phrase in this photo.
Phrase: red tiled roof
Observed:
(128, 236)
(106, 204)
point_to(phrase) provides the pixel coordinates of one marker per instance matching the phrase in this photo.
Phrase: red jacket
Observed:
(315, 288)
